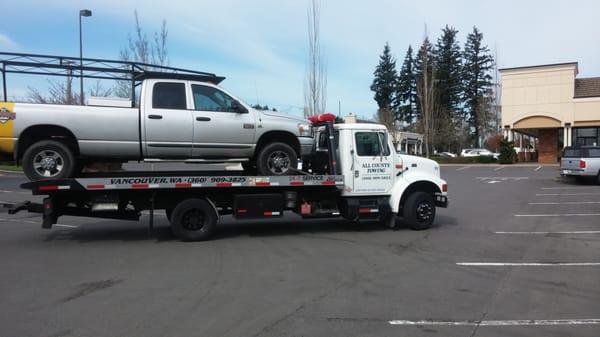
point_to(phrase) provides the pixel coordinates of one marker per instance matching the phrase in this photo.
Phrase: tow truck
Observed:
(354, 174)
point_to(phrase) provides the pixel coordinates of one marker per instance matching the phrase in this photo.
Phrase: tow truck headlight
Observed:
(305, 130)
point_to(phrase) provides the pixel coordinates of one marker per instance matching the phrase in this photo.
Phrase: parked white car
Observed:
(479, 152)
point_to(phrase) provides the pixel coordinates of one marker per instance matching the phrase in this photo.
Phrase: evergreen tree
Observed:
(477, 82)
(406, 95)
(449, 72)
(384, 83)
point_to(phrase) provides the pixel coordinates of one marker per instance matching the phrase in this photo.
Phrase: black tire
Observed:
(419, 211)
(49, 159)
(277, 159)
(193, 220)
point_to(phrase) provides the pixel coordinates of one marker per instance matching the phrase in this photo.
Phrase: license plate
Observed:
(566, 171)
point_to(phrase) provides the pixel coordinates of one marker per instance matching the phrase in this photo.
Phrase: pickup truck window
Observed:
(370, 144)
(169, 95)
(211, 99)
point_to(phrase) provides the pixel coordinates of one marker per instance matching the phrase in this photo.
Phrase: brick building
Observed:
(549, 107)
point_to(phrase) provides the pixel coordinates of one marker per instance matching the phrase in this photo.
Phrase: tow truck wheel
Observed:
(419, 211)
(193, 220)
(48, 159)
(276, 159)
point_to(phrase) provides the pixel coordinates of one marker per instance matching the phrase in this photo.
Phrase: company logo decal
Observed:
(6, 115)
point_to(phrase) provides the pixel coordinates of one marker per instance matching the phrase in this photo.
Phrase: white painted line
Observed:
(502, 178)
(537, 168)
(565, 203)
(569, 188)
(520, 322)
(68, 226)
(499, 168)
(493, 181)
(462, 168)
(556, 215)
(544, 233)
(528, 264)
(565, 194)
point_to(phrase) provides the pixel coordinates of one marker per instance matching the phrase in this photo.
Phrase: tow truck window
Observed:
(169, 95)
(371, 144)
(211, 99)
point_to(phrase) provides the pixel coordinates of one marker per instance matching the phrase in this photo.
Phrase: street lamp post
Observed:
(82, 13)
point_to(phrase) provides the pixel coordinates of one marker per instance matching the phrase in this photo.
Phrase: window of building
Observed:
(169, 95)
(586, 136)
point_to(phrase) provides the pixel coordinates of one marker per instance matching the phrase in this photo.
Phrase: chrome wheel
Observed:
(278, 162)
(48, 163)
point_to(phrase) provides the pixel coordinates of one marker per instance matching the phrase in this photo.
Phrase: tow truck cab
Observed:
(354, 174)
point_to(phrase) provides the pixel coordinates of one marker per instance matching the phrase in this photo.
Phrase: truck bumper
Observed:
(574, 172)
(441, 201)
(306, 146)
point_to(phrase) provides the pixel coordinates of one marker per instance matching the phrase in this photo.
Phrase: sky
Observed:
(261, 46)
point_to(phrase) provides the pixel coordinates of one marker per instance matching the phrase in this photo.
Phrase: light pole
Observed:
(83, 12)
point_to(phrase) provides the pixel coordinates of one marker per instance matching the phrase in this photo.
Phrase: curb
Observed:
(496, 165)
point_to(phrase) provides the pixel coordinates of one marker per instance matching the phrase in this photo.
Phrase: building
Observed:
(409, 142)
(548, 106)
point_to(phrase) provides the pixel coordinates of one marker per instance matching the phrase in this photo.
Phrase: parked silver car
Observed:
(581, 162)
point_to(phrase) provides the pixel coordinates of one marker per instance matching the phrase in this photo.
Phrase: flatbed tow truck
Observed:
(355, 175)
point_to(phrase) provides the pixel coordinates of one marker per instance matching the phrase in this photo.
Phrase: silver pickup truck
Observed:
(581, 162)
(178, 119)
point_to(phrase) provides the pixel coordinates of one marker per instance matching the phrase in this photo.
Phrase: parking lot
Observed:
(517, 253)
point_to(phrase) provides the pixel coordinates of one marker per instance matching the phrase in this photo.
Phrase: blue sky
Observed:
(261, 45)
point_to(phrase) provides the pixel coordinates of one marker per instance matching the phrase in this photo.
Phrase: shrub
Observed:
(507, 152)
(464, 160)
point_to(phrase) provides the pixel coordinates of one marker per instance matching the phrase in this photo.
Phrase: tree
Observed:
(315, 83)
(426, 91)
(385, 82)
(448, 59)
(141, 49)
(477, 82)
(386, 117)
(405, 100)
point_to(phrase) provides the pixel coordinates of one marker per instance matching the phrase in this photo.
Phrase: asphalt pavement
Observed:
(517, 253)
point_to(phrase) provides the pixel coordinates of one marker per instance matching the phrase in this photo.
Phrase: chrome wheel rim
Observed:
(48, 163)
(278, 162)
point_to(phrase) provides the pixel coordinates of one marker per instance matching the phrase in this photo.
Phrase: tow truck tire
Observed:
(48, 159)
(277, 159)
(193, 220)
(419, 211)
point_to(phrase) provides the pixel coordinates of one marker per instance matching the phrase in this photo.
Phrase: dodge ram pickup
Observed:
(183, 118)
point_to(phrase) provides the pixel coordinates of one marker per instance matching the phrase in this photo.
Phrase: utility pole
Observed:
(82, 13)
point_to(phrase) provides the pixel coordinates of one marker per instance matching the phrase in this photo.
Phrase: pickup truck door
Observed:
(167, 123)
(373, 162)
(221, 130)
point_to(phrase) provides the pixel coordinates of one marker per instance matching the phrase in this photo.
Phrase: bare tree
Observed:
(141, 49)
(385, 117)
(315, 83)
(428, 99)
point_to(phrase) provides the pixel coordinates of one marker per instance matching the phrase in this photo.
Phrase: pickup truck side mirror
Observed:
(237, 107)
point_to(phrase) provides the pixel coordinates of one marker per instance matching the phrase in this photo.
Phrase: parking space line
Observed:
(529, 264)
(462, 168)
(569, 188)
(537, 168)
(565, 194)
(545, 233)
(565, 203)
(556, 215)
(499, 168)
(62, 225)
(527, 322)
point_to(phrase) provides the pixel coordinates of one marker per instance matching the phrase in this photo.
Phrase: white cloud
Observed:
(7, 43)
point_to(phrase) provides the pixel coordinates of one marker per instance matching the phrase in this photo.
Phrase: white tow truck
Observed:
(355, 174)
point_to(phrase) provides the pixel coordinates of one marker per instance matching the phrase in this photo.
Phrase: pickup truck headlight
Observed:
(305, 130)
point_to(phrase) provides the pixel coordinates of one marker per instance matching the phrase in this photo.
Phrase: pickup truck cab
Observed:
(180, 118)
(581, 162)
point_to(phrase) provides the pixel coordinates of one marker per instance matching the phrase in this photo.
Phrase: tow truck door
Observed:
(372, 162)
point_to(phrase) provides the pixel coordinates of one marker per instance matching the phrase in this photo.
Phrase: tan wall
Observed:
(546, 91)
(587, 112)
